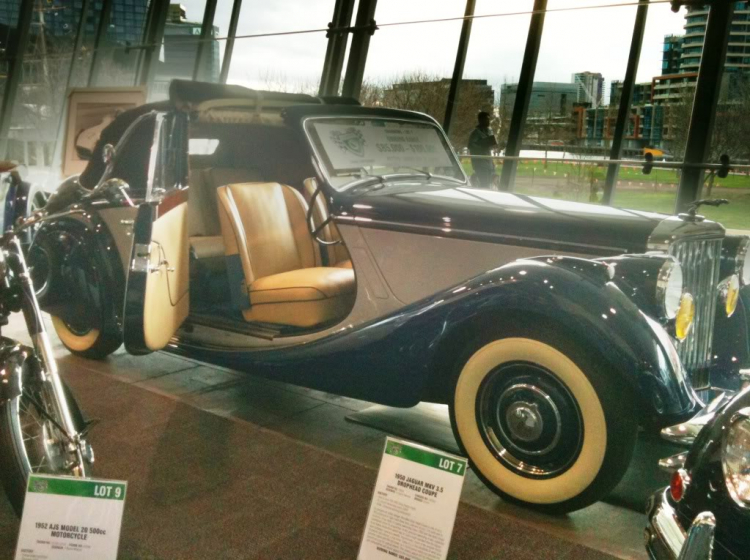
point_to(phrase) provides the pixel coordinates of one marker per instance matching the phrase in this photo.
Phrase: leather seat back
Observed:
(203, 211)
(264, 225)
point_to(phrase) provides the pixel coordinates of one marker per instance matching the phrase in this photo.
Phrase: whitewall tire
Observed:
(541, 426)
(86, 342)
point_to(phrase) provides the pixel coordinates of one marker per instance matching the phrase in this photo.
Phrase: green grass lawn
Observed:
(631, 176)
(654, 193)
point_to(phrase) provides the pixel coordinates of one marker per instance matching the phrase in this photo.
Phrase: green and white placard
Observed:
(67, 518)
(414, 505)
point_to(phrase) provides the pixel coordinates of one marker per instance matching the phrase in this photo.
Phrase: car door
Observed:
(157, 298)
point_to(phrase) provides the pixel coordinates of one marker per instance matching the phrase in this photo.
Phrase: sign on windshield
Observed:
(379, 146)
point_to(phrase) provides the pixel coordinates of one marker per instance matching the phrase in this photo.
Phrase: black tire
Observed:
(543, 422)
(86, 342)
(14, 459)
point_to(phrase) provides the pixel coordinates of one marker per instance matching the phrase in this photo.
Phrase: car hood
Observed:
(459, 211)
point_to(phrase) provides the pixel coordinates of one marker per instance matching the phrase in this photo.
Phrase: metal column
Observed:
(77, 47)
(706, 101)
(101, 32)
(15, 54)
(338, 37)
(207, 29)
(355, 68)
(231, 34)
(523, 94)
(623, 113)
(152, 38)
(458, 69)
(78, 43)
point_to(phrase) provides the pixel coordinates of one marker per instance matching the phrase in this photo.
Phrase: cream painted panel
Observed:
(167, 303)
(416, 266)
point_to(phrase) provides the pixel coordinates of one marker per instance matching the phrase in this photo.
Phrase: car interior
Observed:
(255, 265)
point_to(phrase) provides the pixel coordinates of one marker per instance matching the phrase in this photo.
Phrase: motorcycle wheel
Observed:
(29, 443)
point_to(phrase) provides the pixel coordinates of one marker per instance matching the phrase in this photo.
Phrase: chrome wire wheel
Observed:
(31, 442)
(46, 449)
(529, 420)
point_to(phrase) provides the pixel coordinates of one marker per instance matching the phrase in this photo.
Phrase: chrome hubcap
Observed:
(524, 421)
(529, 420)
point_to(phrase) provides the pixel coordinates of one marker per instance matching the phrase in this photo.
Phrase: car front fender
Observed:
(580, 297)
(77, 271)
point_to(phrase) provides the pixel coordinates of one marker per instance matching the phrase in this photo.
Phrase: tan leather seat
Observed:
(206, 240)
(272, 261)
(337, 254)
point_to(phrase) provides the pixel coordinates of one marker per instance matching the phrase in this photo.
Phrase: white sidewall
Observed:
(547, 491)
(73, 341)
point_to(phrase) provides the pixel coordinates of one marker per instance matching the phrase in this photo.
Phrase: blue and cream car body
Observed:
(341, 248)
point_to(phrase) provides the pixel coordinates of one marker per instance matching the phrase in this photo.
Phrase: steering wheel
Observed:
(311, 222)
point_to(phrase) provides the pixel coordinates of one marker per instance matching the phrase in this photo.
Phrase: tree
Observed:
(731, 125)
(427, 93)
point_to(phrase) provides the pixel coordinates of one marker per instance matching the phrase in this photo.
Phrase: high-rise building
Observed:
(678, 80)
(672, 55)
(551, 98)
(641, 93)
(590, 88)
(738, 51)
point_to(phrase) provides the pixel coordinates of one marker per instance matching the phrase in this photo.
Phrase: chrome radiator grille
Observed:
(700, 260)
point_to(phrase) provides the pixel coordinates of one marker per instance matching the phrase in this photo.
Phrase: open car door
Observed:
(157, 298)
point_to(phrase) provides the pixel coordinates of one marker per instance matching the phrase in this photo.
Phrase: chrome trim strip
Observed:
(700, 540)
(663, 529)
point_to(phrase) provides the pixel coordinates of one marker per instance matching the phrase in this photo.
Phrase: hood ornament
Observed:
(692, 214)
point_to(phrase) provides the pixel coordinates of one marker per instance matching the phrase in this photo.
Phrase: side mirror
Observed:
(108, 153)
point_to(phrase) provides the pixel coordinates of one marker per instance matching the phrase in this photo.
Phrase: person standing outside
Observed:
(481, 142)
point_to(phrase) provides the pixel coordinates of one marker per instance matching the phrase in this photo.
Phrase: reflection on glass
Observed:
(660, 114)
(182, 34)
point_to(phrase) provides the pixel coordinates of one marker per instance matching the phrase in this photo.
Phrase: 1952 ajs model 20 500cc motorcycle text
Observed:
(340, 247)
(42, 430)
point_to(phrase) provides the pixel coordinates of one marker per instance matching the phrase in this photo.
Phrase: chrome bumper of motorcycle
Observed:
(667, 540)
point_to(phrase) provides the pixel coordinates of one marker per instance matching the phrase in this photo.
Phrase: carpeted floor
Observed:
(202, 486)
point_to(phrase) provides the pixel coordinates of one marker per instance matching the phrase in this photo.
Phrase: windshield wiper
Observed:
(366, 183)
(427, 174)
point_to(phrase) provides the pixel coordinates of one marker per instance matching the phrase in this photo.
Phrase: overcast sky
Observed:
(596, 40)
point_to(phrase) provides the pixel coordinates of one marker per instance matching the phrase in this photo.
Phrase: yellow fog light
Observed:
(731, 293)
(685, 315)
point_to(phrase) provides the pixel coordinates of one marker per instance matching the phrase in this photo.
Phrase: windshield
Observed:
(352, 148)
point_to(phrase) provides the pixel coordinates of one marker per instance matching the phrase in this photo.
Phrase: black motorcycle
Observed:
(42, 429)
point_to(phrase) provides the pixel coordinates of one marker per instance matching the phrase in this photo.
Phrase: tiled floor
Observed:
(319, 419)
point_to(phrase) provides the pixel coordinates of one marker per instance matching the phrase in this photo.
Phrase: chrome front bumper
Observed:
(667, 540)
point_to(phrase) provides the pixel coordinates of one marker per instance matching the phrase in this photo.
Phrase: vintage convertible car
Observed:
(705, 512)
(340, 247)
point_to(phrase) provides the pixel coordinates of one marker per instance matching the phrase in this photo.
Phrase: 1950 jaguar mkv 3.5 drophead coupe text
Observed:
(341, 248)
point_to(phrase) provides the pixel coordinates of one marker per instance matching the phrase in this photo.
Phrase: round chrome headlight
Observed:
(669, 287)
(736, 458)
